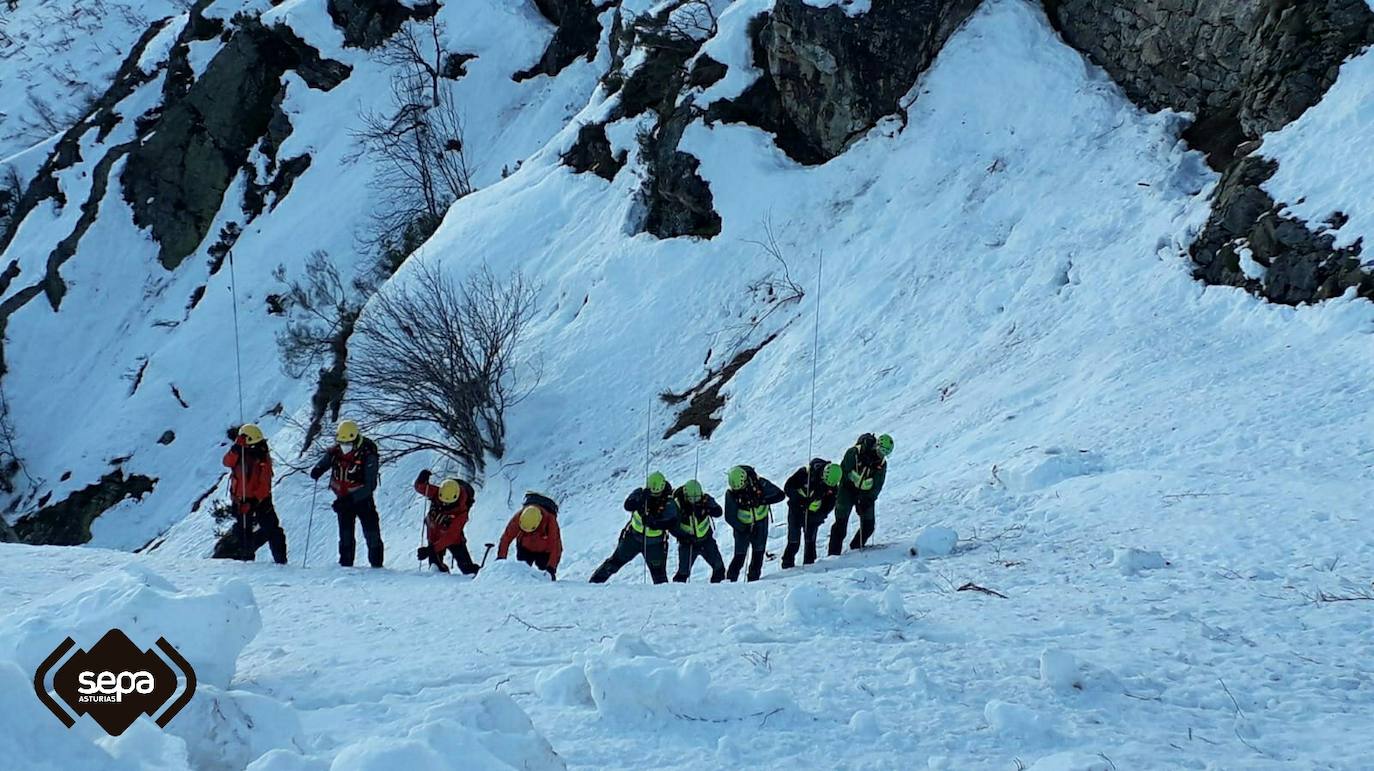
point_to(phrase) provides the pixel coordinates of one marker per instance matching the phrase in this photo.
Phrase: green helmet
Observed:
(885, 445)
(831, 475)
(692, 490)
(737, 478)
(657, 483)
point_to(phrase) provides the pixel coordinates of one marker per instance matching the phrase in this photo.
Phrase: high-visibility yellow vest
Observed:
(637, 523)
(697, 527)
(751, 516)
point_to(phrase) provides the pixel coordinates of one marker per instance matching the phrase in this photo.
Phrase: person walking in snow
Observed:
(696, 536)
(652, 515)
(250, 493)
(747, 509)
(449, 505)
(863, 471)
(354, 467)
(534, 531)
(810, 495)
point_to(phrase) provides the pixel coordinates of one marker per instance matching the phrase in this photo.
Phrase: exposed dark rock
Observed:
(167, 437)
(255, 195)
(368, 23)
(576, 36)
(176, 179)
(1243, 67)
(678, 200)
(68, 522)
(829, 77)
(592, 152)
(1300, 265)
(705, 400)
(705, 72)
(455, 65)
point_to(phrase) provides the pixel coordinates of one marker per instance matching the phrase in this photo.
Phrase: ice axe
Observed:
(484, 556)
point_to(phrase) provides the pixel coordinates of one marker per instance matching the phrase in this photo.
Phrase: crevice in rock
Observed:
(68, 522)
(705, 400)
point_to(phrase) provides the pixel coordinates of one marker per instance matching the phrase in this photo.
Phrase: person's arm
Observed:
(709, 507)
(635, 500)
(323, 465)
(879, 477)
(422, 485)
(512, 527)
(850, 476)
(769, 492)
(372, 464)
(731, 509)
(231, 458)
(668, 517)
(795, 487)
(555, 544)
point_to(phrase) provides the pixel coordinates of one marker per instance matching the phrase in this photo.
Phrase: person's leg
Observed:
(758, 546)
(864, 508)
(686, 555)
(741, 551)
(810, 530)
(372, 532)
(436, 558)
(656, 555)
(348, 540)
(843, 505)
(625, 550)
(795, 516)
(463, 559)
(270, 532)
(710, 551)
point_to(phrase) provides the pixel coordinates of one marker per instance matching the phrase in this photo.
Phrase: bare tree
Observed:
(417, 147)
(11, 465)
(430, 352)
(681, 26)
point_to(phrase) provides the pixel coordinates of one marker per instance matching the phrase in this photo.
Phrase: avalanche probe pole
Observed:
(310, 523)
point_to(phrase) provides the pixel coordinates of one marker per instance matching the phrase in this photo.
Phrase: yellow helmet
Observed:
(251, 433)
(530, 518)
(348, 431)
(449, 491)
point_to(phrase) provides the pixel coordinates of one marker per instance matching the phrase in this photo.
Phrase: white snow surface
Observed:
(1320, 171)
(1004, 291)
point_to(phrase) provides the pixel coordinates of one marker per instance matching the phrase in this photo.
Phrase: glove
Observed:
(423, 479)
(866, 485)
(240, 441)
(423, 553)
(815, 506)
(856, 478)
(316, 473)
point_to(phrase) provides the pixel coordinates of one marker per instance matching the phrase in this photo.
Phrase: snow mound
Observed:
(227, 730)
(935, 542)
(1133, 561)
(388, 754)
(1062, 672)
(1016, 721)
(212, 627)
(814, 605)
(509, 571)
(627, 680)
(1072, 761)
(1040, 468)
(286, 760)
(488, 726)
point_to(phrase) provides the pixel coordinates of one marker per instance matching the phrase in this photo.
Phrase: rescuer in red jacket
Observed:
(449, 504)
(534, 531)
(250, 493)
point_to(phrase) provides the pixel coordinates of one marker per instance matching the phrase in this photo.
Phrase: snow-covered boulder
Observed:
(935, 541)
(489, 724)
(227, 730)
(1062, 672)
(209, 628)
(1016, 721)
(511, 571)
(1072, 761)
(1040, 468)
(1133, 561)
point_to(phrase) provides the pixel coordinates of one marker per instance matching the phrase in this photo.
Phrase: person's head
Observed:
(657, 484)
(449, 491)
(530, 518)
(885, 445)
(347, 435)
(692, 491)
(831, 474)
(866, 443)
(251, 434)
(737, 478)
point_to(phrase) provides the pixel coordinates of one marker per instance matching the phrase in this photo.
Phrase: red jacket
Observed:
(445, 522)
(251, 478)
(545, 538)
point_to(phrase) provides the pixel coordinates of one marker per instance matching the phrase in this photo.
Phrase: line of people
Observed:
(657, 511)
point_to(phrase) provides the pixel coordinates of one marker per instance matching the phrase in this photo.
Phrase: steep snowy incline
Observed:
(1023, 325)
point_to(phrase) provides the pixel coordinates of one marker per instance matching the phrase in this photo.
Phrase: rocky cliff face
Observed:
(1243, 67)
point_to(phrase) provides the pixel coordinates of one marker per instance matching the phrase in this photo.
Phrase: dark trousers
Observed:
(250, 531)
(631, 545)
(802, 524)
(844, 503)
(362, 512)
(706, 548)
(753, 537)
(461, 558)
(538, 559)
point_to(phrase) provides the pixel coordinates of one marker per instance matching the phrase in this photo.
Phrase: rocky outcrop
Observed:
(175, 179)
(592, 153)
(1244, 68)
(68, 522)
(575, 36)
(1248, 242)
(368, 23)
(829, 77)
